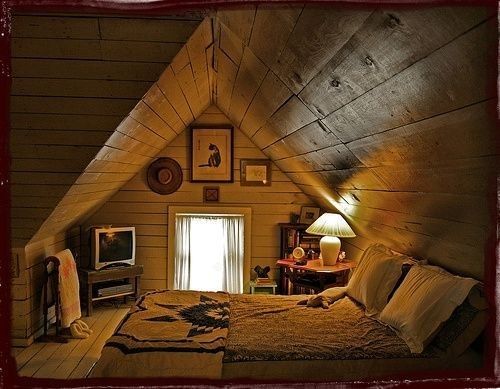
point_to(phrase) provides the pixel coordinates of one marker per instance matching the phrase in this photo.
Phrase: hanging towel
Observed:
(69, 288)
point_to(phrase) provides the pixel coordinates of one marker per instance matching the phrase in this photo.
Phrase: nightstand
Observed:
(268, 288)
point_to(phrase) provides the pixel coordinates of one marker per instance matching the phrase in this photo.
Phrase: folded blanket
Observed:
(69, 288)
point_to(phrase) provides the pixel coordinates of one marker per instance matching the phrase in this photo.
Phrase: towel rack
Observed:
(51, 275)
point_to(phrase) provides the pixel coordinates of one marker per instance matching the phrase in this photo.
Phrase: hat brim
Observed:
(164, 176)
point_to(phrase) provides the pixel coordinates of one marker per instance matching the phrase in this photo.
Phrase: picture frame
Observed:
(212, 154)
(255, 172)
(210, 194)
(308, 214)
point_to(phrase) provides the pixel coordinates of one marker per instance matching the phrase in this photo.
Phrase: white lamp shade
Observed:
(332, 226)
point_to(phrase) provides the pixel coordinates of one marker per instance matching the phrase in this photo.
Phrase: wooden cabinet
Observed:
(295, 235)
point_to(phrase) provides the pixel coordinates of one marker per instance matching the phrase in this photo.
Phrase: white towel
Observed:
(69, 288)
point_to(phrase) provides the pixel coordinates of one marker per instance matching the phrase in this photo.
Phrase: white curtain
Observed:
(209, 253)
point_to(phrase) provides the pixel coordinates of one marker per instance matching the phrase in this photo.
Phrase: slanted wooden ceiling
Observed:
(381, 114)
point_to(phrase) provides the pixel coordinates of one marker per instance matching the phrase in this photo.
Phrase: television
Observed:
(112, 246)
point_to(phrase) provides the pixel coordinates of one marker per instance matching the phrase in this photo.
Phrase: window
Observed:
(209, 250)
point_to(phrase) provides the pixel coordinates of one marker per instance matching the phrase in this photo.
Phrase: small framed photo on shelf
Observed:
(308, 214)
(210, 194)
(255, 172)
(211, 154)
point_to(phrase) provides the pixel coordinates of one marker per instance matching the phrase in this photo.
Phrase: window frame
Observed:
(173, 210)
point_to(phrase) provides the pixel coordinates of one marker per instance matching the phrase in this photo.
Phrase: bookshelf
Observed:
(294, 235)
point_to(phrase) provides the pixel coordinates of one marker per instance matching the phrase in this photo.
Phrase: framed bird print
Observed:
(211, 154)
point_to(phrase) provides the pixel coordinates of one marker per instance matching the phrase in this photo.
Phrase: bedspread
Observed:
(169, 334)
(263, 328)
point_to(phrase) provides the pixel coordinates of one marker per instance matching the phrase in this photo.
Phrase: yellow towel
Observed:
(69, 288)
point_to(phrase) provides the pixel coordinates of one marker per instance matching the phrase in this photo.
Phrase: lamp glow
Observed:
(331, 226)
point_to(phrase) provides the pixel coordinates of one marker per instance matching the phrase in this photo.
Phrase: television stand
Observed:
(115, 266)
(128, 275)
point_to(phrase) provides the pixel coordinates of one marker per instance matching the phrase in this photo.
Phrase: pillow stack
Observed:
(423, 302)
(375, 278)
(417, 304)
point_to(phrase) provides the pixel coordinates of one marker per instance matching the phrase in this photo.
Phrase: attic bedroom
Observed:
(308, 192)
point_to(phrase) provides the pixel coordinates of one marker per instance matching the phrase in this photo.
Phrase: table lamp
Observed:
(331, 226)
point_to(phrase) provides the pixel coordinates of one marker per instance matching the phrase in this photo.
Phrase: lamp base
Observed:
(330, 248)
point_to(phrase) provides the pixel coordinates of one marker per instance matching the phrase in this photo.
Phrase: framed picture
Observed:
(211, 154)
(255, 172)
(210, 194)
(308, 214)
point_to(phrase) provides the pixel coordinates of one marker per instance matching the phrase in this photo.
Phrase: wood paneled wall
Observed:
(74, 80)
(384, 115)
(27, 283)
(135, 204)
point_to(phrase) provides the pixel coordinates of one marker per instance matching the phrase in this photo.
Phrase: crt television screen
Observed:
(115, 246)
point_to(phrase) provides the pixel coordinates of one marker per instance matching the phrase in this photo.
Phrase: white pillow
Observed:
(425, 299)
(374, 278)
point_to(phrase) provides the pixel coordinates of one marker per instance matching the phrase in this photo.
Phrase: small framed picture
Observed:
(211, 154)
(210, 194)
(255, 172)
(308, 214)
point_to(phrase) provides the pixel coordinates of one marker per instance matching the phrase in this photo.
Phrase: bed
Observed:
(218, 335)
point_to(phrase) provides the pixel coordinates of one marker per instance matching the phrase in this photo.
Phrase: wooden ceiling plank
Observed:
(70, 105)
(312, 137)
(471, 209)
(55, 27)
(389, 41)
(91, 178)
(226, 76)
(172, 91)
(185, 79)
(156, 100)
(150, 119)
(276, 21)
(110, 154)
(357, 177)
(448, 79)
(124, 142)
(78, 88)
(230, 43)
(42, 137)
(250, 75)
(271, 95)
(239, 20)
(86, 70)
(132, 128)
(94, 49)
(317, 36)
(467, 176)
(448, 136)
(53, 122)
(102, 166)
(134, 29)
(292, 116)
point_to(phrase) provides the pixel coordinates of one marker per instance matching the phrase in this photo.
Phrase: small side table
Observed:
(268, 288)
(90, 277)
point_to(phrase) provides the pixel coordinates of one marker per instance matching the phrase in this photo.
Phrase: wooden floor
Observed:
(75, 358)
